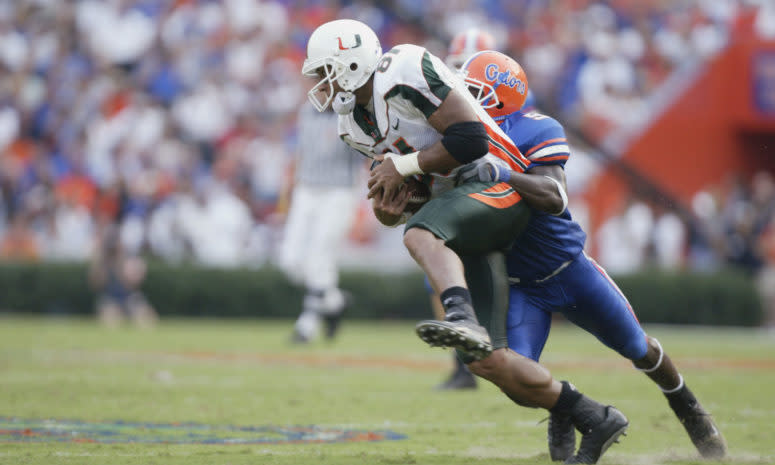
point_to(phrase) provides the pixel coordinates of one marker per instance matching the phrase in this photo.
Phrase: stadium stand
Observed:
(175, 119)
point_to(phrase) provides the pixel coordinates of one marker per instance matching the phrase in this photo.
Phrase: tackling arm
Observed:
(543, 187)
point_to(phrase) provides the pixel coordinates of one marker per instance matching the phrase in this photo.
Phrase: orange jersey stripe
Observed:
(497, 202)
(512, 151)
(558, 157)
(505, 149)
(503, 155)
(499, 188)
(545, 143)
(498, 196)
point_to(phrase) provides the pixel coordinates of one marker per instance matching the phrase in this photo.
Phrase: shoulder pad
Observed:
(541, 138)
(415, 74)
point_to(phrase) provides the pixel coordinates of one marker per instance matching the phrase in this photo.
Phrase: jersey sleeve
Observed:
(548, 145)
(416, 76)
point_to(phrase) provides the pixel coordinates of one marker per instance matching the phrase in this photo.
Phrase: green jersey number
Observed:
(387, 58)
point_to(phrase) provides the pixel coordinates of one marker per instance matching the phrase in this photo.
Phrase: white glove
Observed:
(494, 170)
(485, 171)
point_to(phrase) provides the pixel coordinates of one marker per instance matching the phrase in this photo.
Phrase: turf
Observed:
(375, 376)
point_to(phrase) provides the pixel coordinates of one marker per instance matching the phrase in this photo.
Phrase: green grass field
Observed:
(376, 377)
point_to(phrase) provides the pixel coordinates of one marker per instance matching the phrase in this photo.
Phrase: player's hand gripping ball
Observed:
(413, 195)
(419, 192)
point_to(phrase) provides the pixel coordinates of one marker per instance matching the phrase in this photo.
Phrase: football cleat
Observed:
(599, 430)
(561, 437)
(331, 325)
(332, 321)
(464, 335)
(698, 423)
(298, 338)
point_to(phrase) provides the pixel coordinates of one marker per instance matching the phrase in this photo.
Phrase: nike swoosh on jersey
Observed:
(395, 126)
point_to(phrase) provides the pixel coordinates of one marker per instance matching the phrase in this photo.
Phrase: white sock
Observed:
(308, 324)
(332, 301)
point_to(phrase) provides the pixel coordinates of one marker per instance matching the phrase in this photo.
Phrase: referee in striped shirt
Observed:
(322, 209)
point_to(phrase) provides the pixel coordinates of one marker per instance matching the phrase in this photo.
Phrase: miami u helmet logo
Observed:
(357, 43)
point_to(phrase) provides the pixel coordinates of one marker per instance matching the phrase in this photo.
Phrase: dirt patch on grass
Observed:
(424, 365)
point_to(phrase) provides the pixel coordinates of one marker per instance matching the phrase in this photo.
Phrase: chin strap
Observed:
(343, 103)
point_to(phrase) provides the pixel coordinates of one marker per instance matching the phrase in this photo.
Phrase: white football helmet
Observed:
(344, 51)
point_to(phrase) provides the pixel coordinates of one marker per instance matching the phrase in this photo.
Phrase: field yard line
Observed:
(314, 360)
(379, 362)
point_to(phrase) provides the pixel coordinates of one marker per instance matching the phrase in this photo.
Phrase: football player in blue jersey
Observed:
(548, 269)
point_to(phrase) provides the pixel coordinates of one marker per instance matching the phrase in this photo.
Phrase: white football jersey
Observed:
(409, 85)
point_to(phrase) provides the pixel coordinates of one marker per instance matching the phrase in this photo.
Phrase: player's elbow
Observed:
(550, 203)
(553, 199)
(466, 141)
(554, 203)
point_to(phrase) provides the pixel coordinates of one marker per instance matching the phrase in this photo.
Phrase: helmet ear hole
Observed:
(353, 66)
(499, 106)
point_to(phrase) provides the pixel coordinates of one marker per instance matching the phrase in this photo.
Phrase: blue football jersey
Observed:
(548, 241)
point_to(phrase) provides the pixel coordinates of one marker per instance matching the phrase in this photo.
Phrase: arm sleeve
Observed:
(549, 146)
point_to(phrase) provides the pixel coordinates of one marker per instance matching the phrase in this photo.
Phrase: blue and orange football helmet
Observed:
(497, 81)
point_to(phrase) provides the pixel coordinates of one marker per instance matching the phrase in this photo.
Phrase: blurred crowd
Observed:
(730, 224)
(598, 62)
(175, 119)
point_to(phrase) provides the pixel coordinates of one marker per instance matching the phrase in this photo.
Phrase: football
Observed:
(420, 193)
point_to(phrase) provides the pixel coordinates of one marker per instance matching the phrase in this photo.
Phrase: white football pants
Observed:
(318, 223)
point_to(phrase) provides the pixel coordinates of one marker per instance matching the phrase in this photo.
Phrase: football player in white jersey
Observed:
(408, 105)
